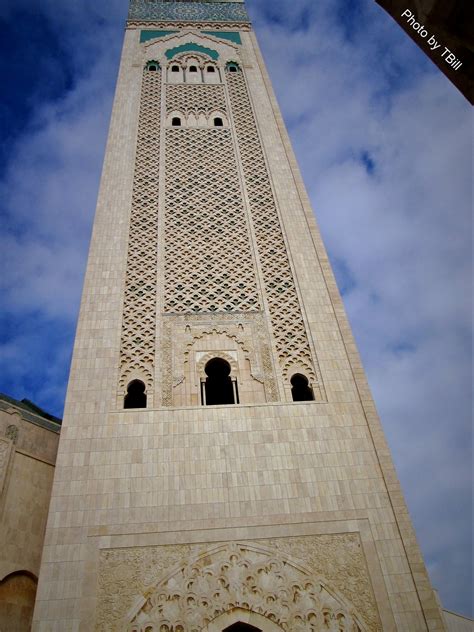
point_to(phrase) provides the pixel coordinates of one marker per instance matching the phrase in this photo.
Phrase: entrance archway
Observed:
(242, 627)
(240, 620)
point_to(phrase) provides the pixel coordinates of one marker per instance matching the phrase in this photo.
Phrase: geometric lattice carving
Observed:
(139, 310)
(196, 24)
(12, 433)
(199, 98)
(5, 449)
(189, 11)
(285, 312)
(208, 260)
(249, 578)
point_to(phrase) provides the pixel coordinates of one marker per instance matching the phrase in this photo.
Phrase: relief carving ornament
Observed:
(182, 588)
(5, 448)
(247, 331)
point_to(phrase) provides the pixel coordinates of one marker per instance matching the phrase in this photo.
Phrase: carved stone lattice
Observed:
(139, 315)
(167, 365)
(208, 260)
(12, 432)
(183, 588)
(195, 24)
(200, 98)
(5, 449)
(285, 311)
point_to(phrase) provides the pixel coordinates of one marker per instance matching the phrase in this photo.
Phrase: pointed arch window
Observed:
(176, 121)
(218, 122)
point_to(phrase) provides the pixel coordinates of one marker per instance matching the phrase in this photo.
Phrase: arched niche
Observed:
(227, 342)
(211, 73)
(175, 72)
(237, 580)
(241, 619)
(217, 115)
(301, 390)
(218, 369)
(301, 383)
(17, 600)
(136, 395)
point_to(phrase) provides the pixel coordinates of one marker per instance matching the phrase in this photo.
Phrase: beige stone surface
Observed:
(181, 477)
(457, 623)
(285, 579)
(28, 446)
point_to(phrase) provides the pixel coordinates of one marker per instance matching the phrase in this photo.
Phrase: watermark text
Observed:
(448, 56)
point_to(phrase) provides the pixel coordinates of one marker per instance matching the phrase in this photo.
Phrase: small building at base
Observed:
(28, 446)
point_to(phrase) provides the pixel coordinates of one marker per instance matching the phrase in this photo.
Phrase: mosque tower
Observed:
(221, 464)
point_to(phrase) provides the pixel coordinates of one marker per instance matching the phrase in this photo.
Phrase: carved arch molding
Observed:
(237, 577)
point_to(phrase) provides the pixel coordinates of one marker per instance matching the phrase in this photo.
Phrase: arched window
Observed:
(218, 122)
(210, 69)
(174, 68)
(301, 391)
(219, 388)
(152, 67)
(241, 627)
(136, 396)
(232, 68)
(176, 121)
(193, 69)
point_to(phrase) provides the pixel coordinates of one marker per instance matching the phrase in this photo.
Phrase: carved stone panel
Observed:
(12, 432)
(185, 335)
(5, 450)
(190, 11)
(289, 331)
(183, 588)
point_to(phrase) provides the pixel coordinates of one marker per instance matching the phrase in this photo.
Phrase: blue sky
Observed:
(384, 143)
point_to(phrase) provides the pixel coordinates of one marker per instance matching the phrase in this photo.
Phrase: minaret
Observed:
(221, 464)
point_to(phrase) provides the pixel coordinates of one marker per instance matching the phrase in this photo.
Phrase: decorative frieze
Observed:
(215, 26)
(188, 11)
(304, 584)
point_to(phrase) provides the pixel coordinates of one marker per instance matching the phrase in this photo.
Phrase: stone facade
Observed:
(173, 515)
(28, 446)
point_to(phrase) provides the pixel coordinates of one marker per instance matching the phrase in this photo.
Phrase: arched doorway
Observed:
(241, 620)
(17, 600)
(241, 627)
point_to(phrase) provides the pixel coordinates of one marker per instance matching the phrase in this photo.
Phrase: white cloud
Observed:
(401, 235)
